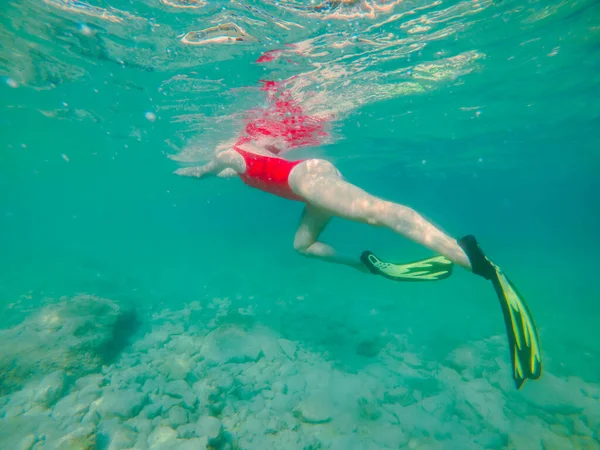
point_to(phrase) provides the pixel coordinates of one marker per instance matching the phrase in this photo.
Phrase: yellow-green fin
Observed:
(523, 339)
(430, 269)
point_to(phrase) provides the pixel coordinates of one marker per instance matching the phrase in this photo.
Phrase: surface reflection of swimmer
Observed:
(326, 194)
(326, 6)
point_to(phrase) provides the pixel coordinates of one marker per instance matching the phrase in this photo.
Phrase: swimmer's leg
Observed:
(324, 188)
(312, 224)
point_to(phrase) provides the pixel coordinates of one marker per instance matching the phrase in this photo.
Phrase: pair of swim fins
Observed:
(522, 333)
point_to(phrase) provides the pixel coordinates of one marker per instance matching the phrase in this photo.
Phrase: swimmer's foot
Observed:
(431, 269)
(523, 338)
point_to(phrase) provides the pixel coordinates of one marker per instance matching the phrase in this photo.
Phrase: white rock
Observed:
(448, 376)
(209, 427)
(223, 383)
(96, 380)
(167, 402)
(27, 442)
(150, 386)
(13, 411)
(206, 393)
(177, 367)
(296, 383)
(71, 408)
(230, 344)
(288, 348)
(180, 389)
(14, 432)
(178, 416)
(283, 403)
(273, 425)
(409, 358)
(76, 335)
(191, 444)
(139, 424)
(151, 411)
(440, 405)
(122, 404)
(162, 436)
(268, 394)
(253, 426)
(117, 436)
(91, 417)
(89, 389)
(489, 439)
(314, 409)
(36, 410)
(388, 436)
(50, 389)
(368, 408)
(21, 398)
(279, 386)
(400, 395)
(78, 438)
(184, 344)
(187, 431)
(256, 405)
(487, 401)
(554, 395)
(150, 340)
(158, 421)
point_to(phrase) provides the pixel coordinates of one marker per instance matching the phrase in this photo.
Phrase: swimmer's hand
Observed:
(227, 173)
(212, 168)
(189, 172)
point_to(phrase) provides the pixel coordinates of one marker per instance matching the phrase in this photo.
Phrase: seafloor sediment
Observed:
(196, 380)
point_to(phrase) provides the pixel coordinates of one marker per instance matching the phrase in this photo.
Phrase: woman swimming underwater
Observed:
(326, 194)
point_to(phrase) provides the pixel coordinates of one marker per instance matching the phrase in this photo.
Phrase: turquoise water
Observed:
(481, 115)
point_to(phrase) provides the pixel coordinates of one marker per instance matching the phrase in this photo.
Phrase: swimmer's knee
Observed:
(301, 247)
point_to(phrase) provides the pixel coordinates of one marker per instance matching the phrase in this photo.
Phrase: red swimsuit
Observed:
(268, 174)
(282, 120)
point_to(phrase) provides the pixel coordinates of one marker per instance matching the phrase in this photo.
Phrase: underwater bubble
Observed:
(11, 83)
(84, 29)
(150, 116)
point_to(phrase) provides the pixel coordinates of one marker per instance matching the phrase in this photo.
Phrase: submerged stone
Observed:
(50, 389)
(180, 389)
(230, 344)
(314, 409)
(554, 395)
(178, 416)
(76, 335)
(124, 404)
(113, 435)
(209, 427)
(162, 437)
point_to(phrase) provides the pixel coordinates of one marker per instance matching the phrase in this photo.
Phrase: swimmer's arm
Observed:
(228, 163)
(212, 168)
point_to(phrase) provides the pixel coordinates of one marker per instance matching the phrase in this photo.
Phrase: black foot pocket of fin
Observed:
(523, 339)
(431, 269)
(480, 265)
